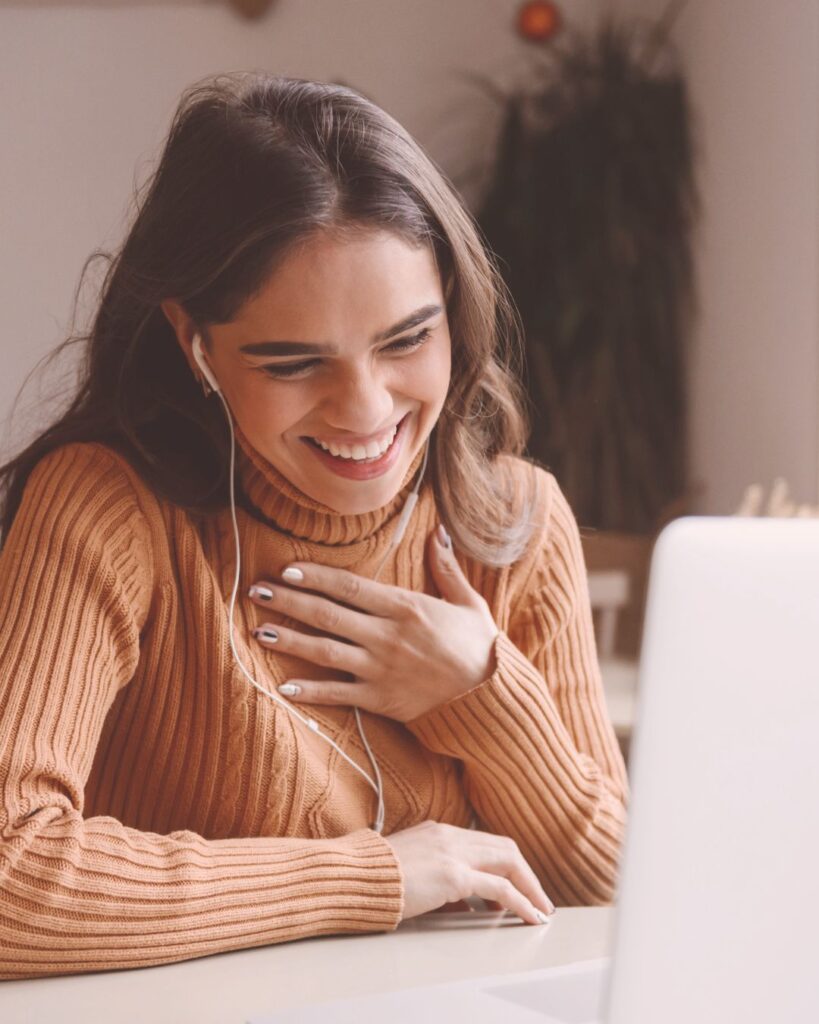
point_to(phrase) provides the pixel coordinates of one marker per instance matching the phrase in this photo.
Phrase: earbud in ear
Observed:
(201, 362)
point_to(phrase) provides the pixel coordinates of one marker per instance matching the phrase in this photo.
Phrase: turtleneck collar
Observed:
(292, 511)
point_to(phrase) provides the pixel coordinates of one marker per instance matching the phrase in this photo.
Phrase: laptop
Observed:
(717, 913)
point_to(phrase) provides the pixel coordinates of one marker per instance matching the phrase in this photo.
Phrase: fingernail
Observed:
(541, 916)
(266, 633)
(444, 537)
(265, 593)
(289, 689)
(291, 573)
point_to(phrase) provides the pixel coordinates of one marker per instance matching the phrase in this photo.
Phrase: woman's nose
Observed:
(360, 403)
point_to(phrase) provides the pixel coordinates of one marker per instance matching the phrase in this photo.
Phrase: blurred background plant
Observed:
(590, 207)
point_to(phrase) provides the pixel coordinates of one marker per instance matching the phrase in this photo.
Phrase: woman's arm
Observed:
(541, 761)
(87, 894)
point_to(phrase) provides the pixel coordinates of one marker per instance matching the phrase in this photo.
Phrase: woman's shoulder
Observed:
(83, 505)
(87, 494)
(77, 471)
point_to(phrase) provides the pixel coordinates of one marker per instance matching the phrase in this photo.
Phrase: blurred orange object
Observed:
(539, 20)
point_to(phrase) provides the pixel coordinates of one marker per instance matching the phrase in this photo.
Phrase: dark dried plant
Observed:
(590, 208)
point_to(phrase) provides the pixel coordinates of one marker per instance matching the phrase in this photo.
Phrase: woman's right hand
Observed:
(444, 864)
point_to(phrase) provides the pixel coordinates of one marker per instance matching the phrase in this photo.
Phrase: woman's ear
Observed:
(184, 328)
(174, 314)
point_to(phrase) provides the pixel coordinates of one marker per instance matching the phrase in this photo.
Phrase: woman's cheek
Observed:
(437, 372)
(429, 370)
(268, 411)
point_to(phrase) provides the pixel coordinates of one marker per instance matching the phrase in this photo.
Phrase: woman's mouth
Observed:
(361, 468)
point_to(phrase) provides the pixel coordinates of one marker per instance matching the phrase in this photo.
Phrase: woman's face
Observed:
(347, 340)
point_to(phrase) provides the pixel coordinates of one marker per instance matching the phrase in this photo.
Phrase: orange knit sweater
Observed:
(154, 806)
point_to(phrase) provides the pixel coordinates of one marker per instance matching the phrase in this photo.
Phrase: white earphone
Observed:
(201, 362)
(398, 533)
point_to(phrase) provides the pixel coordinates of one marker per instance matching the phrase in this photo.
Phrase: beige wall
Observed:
(755, 385)
(753, 72)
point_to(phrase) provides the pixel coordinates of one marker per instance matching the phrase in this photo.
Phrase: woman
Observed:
(300, 277)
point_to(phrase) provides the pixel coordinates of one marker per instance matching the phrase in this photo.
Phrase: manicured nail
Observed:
(266, 633)
(291, 573)
(444, 537)
(289, 689)
(265, 593)
(541, 916)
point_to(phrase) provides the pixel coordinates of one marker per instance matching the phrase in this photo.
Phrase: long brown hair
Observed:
(253, 164)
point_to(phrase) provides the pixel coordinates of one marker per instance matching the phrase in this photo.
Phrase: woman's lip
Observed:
(358, 470)
(352, 444)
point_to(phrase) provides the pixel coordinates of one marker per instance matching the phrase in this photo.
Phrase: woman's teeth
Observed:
(359, 452)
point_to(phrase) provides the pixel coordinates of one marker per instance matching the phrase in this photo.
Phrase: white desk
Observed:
(230, 987)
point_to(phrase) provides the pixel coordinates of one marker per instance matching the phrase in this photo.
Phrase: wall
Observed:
(755, 76)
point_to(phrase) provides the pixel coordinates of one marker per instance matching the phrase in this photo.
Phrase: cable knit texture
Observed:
(154, 806)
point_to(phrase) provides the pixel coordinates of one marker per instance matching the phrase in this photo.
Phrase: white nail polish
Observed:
(289, 689)
(541, 916)
(292, 573)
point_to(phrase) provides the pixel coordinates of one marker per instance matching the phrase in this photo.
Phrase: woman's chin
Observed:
(356, 505)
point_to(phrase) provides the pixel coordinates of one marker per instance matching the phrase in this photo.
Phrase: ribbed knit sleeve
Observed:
(86, 894)
(541, 760)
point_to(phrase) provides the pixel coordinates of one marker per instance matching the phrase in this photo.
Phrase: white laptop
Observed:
(718, 907)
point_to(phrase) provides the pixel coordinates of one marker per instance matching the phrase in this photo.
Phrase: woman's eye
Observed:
(285, 371)
(413, 341)
(402, 345)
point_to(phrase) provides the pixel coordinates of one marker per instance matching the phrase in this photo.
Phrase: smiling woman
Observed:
(181, 771)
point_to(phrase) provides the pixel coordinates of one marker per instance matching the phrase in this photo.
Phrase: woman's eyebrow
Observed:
(300, 348)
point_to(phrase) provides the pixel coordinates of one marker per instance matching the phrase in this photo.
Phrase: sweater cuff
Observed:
(377, 901)
(484, 710)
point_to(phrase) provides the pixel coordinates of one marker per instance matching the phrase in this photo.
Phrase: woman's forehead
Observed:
(326, 285)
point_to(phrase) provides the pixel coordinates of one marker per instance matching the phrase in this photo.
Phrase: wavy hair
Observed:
(253, 164)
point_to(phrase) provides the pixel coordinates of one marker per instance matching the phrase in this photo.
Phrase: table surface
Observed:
(231, 987)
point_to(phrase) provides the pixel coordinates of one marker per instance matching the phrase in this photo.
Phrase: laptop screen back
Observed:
(718, 908)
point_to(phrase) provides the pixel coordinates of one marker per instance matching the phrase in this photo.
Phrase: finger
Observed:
(320, 650)
(329, 691)
(318, 611)
(503, 857)
(493, 905)
(359, 592)
(448, 576)
(502, 891)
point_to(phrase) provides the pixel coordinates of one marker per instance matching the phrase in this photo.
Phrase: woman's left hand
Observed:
(408, 652)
